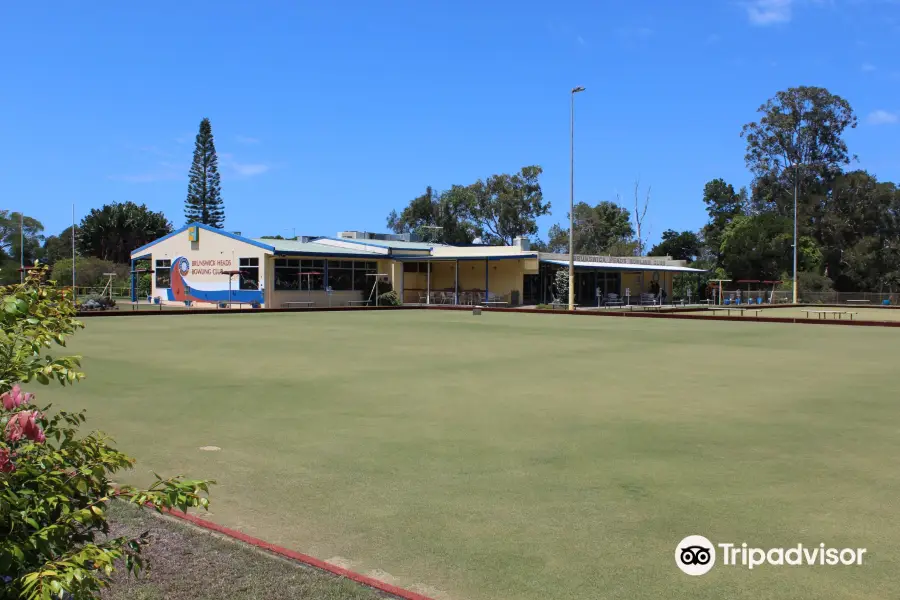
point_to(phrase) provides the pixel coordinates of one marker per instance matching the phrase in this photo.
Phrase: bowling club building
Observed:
(199, 264)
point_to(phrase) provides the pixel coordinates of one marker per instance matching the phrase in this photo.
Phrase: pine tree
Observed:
(204, 202)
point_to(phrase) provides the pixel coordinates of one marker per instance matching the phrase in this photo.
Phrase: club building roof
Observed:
(353, 244)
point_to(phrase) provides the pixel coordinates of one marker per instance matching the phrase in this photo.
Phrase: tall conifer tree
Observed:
(204, 201)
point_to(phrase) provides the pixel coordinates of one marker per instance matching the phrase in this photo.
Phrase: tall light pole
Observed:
(575, 90)
(796, 185)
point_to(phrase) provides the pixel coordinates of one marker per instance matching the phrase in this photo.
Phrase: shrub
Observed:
(54, 484)
(391, 298)
(89, 272)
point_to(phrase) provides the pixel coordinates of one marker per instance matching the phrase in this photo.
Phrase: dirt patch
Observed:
(189, 564)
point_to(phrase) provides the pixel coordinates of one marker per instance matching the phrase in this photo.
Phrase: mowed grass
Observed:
(520, 456)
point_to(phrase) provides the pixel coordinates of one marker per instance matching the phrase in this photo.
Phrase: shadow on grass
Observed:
(187, 563)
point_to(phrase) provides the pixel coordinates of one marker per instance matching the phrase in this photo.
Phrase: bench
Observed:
(859, 301)
(823, 314)
(357, 302)
(741, 310)
(298, 303)
(496, 303)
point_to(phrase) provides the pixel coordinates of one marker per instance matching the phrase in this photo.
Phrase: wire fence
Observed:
(859, 298)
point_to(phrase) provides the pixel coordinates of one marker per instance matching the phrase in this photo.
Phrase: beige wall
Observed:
(320, 297)
(221, 252)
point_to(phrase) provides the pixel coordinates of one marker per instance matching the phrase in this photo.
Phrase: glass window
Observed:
(287, 276)
(372, 266)
(312, 280)
(340, 279)
(410, 267)
(249, 278)
(361, 283)
(163, 273)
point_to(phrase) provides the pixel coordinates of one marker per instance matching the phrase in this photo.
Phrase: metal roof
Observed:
(453, 257)
(313, 248)
(624, 267)
(387, 243)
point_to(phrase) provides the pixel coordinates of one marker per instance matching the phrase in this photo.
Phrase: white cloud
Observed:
(249, 169)
(769, 12)
(243, 139)
(868, 68)
(883, 117)
(239, 168)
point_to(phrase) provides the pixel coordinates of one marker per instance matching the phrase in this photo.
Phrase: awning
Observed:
(623, 267)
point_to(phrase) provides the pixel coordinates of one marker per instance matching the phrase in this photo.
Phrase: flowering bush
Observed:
(55, 484)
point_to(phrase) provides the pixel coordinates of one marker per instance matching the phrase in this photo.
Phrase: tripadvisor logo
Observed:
(696, 555)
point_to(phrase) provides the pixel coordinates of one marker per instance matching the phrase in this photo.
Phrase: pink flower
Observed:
(24, 424)
(15, 398)
(6, 465)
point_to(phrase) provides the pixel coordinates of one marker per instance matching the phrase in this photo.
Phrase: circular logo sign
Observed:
(184, 266)
(695, 555)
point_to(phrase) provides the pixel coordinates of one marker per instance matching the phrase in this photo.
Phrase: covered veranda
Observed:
(463, 280)
(601, 282)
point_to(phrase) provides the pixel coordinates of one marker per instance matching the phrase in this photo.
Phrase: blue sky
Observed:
(329, 114)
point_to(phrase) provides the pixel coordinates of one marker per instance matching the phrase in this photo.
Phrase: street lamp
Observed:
(575, 90)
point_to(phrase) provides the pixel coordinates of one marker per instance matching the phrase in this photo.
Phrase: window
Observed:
(163, 273)
(249, 279)
(351, 275)
(287, 274)
(414, 267)
(340, 274)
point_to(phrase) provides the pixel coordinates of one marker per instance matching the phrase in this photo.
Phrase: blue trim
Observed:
(142, 257)
(207, 228)
(331, 255)
(133, 282)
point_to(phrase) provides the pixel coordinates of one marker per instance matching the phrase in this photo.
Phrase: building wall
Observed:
(206, 259)
(320, 297)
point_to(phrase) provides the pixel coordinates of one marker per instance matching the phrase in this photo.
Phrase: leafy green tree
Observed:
(504, 207)
(57, 247)
(441, 218)
(597, 229)
(684, 245)
(113, 231)
(723, 204)
(12, 224)
(56, 484)
(204, 201)
(760, 247)
(800, 125)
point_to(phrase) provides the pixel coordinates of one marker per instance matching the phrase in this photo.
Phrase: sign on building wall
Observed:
(194, 234)
(206, 280)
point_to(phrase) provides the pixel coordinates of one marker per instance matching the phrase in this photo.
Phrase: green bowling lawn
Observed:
(517, 455)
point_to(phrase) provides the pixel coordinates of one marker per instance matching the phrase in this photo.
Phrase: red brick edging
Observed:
(299, 557)
(670, 314)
